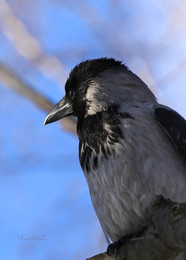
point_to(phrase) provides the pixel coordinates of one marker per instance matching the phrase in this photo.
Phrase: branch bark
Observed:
(164, 237)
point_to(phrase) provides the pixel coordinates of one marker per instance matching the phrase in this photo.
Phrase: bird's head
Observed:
(96, 85)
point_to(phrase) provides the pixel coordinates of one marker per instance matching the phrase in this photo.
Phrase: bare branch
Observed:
(173, 74)
(11, 80)
(28, 46)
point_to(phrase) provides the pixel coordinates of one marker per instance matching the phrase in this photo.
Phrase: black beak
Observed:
(62, 109)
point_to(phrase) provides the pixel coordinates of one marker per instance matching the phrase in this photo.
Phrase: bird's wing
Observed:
(174, 126)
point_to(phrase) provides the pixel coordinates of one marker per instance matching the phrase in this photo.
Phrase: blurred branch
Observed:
(11, 80)
(177, 17)
(164, 237)
(29, 47)
(114, 43)
(173, 73)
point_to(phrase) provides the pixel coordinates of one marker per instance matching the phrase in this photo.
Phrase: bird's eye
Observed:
(71, 94)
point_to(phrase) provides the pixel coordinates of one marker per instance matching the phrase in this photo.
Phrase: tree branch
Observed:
(28, 46)
(11, 80)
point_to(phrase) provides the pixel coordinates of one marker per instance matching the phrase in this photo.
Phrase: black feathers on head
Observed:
(96, 66)
(87, 70)
(81, 76)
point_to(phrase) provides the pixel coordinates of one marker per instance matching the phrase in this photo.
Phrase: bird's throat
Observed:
(98, 135)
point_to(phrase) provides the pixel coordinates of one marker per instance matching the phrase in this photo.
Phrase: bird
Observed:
(131, 148)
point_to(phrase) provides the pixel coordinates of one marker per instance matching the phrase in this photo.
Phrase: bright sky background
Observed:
(42, 188)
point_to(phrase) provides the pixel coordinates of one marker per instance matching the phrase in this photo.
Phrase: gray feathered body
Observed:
(128, 167)
(131, 148)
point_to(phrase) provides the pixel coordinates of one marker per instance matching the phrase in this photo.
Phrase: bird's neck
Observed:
(97, 135)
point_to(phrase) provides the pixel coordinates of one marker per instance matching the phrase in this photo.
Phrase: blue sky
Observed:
(42, 187)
